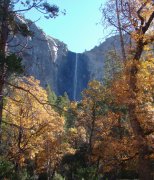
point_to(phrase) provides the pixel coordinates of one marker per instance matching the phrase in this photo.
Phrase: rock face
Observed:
(73, 75)
(50, 61)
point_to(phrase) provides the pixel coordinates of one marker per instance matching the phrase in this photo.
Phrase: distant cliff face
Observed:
(49, 60)
(73, 75)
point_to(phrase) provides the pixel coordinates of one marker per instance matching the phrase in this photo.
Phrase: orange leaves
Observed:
(145, 84)
(120, 90)
(105, 120)
(100, 119)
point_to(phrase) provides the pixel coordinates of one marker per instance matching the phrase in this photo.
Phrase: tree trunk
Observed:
(1, 107)
(122, 44)
(144, 165)
(3, 47)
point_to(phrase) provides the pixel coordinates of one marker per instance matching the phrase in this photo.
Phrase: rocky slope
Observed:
(50, 61)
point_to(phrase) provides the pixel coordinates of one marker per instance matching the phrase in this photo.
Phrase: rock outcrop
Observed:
(50, 61)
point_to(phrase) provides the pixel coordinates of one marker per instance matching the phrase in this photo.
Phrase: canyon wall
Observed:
(50, 61)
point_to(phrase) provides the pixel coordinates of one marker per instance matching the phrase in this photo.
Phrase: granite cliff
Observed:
(50, 61)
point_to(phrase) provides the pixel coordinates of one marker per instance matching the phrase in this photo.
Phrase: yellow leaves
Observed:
(95, 85)
(35, 122)
(147, 48)
(73, 131)
(67, 149)
(72, 134)
(135, 36)
(95, 90)
(73, 105)
(146, 80)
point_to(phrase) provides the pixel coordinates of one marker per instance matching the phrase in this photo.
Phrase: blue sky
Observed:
(78, 28)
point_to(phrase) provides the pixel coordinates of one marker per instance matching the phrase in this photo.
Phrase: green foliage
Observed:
(58, 177)
(61, 104)
(86, 173)
(65, 109)
(42, 6)
(6, 168)
(13, 64)
(76, 167)
(112, 65)
(20, 175)
(51, 10)
(63, 101)
(51, 95)
(70, 118)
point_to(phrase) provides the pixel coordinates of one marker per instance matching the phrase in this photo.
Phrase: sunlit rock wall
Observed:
(49, 60)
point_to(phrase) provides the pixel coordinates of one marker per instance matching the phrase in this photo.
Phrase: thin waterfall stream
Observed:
(75, 76)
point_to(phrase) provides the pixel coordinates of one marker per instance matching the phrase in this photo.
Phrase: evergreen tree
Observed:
(112, 66)
(52, 98)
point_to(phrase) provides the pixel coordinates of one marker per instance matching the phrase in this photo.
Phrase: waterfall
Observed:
(75, 76)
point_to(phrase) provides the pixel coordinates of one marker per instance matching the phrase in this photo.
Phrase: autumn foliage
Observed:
(108, 134)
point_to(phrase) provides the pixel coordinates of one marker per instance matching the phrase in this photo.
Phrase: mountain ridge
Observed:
(50, 61)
